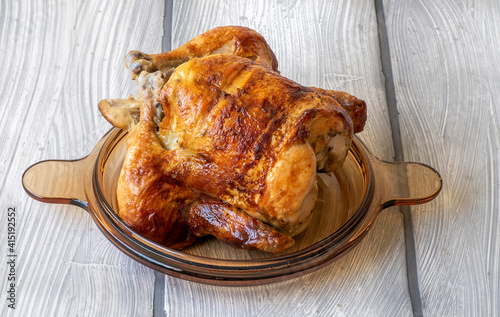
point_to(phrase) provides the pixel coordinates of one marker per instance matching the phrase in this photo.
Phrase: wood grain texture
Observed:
(334, 46)
(446, 65)
(59, 60)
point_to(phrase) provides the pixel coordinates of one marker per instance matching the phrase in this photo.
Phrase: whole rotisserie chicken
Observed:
(221, 144)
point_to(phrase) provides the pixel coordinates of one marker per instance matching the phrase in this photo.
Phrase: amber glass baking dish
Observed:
(348, 203)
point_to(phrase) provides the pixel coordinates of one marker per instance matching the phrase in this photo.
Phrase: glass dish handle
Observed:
(405, 183)
(58, 181)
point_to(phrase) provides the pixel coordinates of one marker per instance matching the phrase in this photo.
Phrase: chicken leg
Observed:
(240, 41)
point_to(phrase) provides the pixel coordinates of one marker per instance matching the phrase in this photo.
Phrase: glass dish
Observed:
(348, 203)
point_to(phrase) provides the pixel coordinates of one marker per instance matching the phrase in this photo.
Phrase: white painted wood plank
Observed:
(59, 59)
(446, 62)
(334, 46)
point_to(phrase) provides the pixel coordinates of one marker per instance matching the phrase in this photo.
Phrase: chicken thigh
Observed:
(221, 144)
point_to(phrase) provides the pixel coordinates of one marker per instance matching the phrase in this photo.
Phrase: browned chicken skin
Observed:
(152, 203)
(231, 40)
(224, 145)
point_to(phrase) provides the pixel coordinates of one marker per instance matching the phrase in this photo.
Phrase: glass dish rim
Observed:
(105, 215)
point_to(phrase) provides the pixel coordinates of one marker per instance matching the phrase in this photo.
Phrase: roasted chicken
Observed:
(221, 144)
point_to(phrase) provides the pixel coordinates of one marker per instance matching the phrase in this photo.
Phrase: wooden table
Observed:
(428, 70)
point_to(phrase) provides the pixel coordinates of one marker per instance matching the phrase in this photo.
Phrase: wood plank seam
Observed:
(411, 258)
(166, 41)
(166, 45)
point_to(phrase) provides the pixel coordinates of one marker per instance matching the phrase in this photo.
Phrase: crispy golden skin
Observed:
(153, 204)
(233, 40)
(225, 145)
(255, 136)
